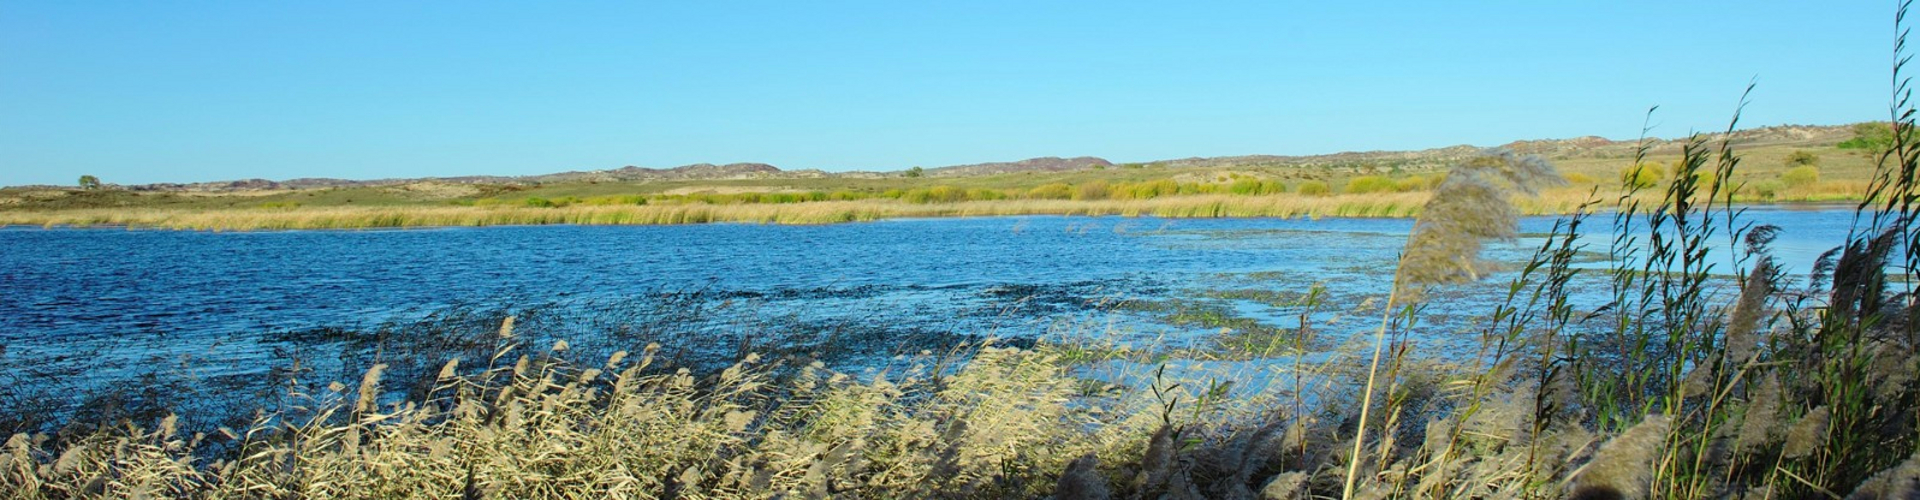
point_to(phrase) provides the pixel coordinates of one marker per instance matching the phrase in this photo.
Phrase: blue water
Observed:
(215, 299)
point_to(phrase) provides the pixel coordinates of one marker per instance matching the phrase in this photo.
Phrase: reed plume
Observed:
(1474, 203)
(1286, 486)
(1082, 481)
(1808, 434)
(1743, 324)
(1623, 467)
(1757, 427)
(1901, 482)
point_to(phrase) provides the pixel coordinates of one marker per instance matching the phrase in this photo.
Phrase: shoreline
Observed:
(1390, 206)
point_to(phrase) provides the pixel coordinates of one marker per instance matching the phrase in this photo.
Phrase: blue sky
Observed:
(139, 92)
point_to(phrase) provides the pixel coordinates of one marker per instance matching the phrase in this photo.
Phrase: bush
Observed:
(1644, 175)
(1874, 136)
(1801, 176)
(978, 194)
(626, 199)
(1313, 188)
(1197, 188)
(1417, 183)
(1248, 187)
(1054, 191)
(1146, 190)
(1369, 184)
(1802, 157)
(946, 194)
(1765, 190)
(1579, 178)
(1096, 190)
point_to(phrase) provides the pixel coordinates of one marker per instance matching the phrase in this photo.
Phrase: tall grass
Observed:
(824, 212)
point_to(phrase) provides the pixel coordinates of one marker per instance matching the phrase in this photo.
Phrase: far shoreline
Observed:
(423, 218)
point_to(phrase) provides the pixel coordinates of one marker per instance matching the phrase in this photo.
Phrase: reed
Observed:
(824, 212)
(1243, 198)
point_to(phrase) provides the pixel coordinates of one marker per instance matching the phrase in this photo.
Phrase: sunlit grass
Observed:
(823, 212)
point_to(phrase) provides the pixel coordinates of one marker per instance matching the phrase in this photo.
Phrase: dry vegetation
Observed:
(824, 212)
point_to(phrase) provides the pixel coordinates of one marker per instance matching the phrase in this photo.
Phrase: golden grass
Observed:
(826, 212)
(823, 212)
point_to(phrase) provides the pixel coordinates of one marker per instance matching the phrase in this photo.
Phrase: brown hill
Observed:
(1421, 160)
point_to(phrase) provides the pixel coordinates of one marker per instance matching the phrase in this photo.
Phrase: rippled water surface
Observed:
(132, 296)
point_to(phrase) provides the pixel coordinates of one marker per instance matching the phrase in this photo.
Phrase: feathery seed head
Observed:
(1807, 435)
(1472, 204)
(1622, 467)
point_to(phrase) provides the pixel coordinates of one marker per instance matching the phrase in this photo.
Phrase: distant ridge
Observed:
(1046, 164)
(1427, 159)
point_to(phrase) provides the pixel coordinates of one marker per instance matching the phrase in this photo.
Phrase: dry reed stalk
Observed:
(1473, 203)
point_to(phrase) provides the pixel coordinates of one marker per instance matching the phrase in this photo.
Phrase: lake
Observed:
(113, 303)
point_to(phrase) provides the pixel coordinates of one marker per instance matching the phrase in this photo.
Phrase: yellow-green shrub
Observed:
(1417, 183)
(1369, 184)
(1095, 190)
(1765, 189)
(1256, 187)
(1644, 175)
(1053, 191)
(1801, 176)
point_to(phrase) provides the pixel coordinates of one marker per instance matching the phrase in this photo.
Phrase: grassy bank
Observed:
(824, 212)
(1402, 204)
(1791, 172)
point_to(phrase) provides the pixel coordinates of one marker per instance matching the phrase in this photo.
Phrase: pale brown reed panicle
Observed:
(1623, 467)
(1474, 203)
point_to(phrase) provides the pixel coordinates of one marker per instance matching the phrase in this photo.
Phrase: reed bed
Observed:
(823, 212)
(1560, 201)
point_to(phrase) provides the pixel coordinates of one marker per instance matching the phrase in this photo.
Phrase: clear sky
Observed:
(152, 91)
